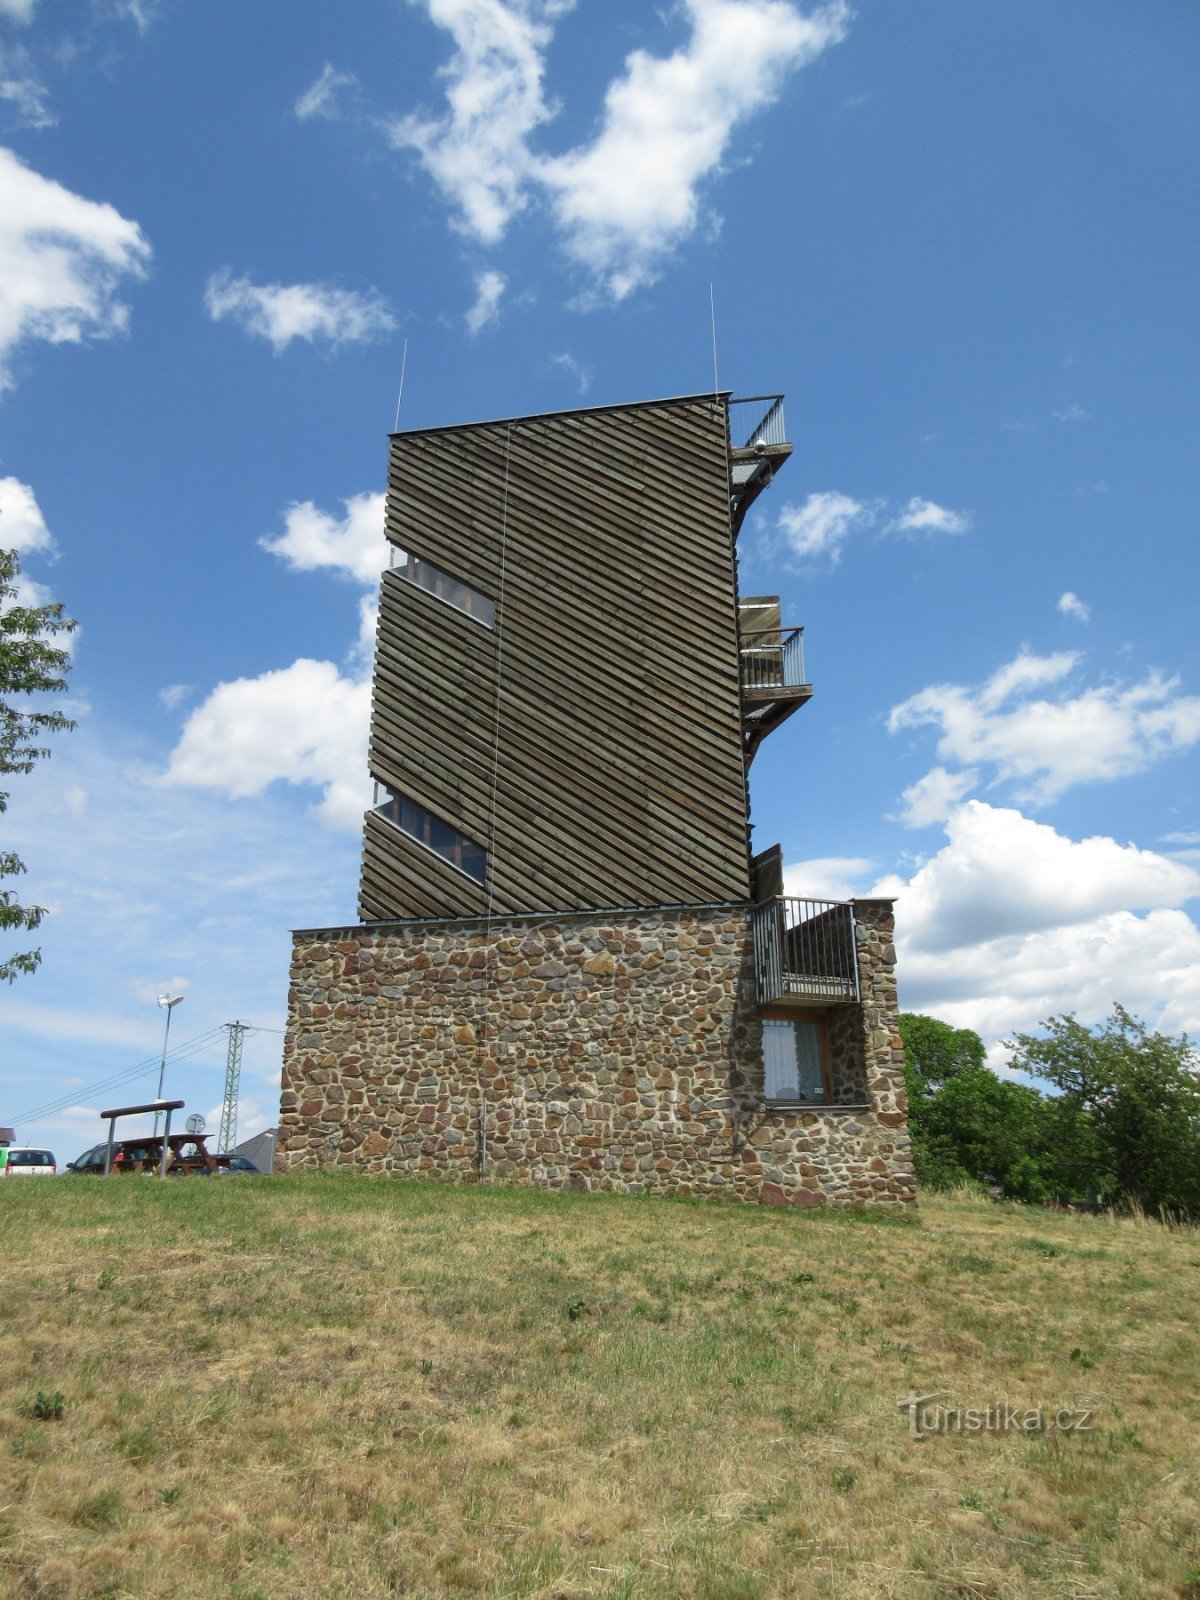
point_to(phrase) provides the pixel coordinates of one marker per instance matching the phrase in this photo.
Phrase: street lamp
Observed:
(168, 1003)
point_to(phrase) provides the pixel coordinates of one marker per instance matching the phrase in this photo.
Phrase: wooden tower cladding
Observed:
(557, 718)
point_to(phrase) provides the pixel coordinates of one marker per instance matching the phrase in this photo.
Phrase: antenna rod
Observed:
(712, 307)
(400, 396)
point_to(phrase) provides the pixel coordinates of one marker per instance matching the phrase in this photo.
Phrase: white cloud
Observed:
(489, 287)
(1072, 606)
(173, 693)
(61, 260)
(304, 724)
(140, 12)
(581, 372)
(354, 546)
(321, 97)
(21, 87)
(1072, 413)
(925, 516)
(22, 525)
(18, 10)
(307, 723)
(316, 312)
(477, 153)
(23, 528)
(629, 197)
(1012, 922)
(828, 877)
(1026, 671)
(1002, 874)
(933, 797)
(1110, 731)
(625, 200)
(819, 527)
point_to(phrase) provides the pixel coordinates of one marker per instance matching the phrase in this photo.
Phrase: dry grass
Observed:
(329, 1386)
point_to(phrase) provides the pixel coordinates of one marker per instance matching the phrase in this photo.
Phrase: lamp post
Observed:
(168, 1003)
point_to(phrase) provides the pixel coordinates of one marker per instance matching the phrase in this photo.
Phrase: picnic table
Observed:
(172, 1155)
(187, 1154)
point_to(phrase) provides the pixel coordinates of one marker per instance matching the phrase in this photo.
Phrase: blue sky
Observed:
(962, 239)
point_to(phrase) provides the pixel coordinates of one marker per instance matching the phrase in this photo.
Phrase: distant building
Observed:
(571, 968)
(260, 1149)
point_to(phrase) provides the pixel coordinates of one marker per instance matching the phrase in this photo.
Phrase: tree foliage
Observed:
(1121, 1124)
(30, 665)
(1129, 1100)
(968, 1124)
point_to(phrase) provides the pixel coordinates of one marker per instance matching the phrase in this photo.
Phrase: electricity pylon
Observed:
(227, 1137)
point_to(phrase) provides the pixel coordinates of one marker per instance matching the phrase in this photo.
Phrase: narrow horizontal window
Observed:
(432, 832)
(422, 573)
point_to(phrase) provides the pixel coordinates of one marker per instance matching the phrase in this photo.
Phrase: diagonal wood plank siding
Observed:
(601, 715)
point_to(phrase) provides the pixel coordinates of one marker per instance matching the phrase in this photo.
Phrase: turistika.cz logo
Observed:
(926, 1416)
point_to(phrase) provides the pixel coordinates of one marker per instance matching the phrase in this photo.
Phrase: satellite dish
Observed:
(195, 1123)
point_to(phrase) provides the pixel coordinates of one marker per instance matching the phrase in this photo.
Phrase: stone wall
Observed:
(619, 1051)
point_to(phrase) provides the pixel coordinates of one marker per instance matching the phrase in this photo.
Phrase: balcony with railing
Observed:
(774, 682)
(758, 447)
(804, 952)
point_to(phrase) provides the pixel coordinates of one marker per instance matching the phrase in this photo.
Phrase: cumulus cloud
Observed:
(828, 877)
(1003, 873)
(61, 260)
(320, 99)
(304, 724)
(1048, 745)
(22, 525)
(18, 10)
(316, 312)
(478, 153)
(489, 287)
(933, 797)
(629, 197)
(925, 516)
(1072, 606)
(307, 723)
(353, 545)
(23, 528)
(22, 89)
(819, 527)
(623, 201)
(1012, 922)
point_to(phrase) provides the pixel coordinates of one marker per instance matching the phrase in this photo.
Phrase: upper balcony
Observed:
(804, 952)
(758, 447)
(774, 682)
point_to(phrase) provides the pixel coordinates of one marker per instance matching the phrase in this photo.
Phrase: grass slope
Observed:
(335, 1386)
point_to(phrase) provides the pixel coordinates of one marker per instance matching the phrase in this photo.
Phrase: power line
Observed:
(190, 1047)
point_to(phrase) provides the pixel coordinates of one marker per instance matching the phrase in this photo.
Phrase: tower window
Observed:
(424, 575)
(431, 832)
(795, 1054)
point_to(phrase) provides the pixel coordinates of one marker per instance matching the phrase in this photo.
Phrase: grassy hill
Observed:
(329, 1386)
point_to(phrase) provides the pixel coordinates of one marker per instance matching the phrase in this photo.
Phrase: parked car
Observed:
(186, 1156)
(24, 1163)
(240, 1164)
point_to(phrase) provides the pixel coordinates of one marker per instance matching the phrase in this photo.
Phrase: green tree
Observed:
(966, 1122)
(1128, 1108)
(30, 664)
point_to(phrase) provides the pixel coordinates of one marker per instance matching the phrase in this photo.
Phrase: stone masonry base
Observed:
(618, 1051)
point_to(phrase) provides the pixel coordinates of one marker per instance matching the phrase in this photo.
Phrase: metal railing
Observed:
(773, 658)
(804, 950)
(757, 420)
